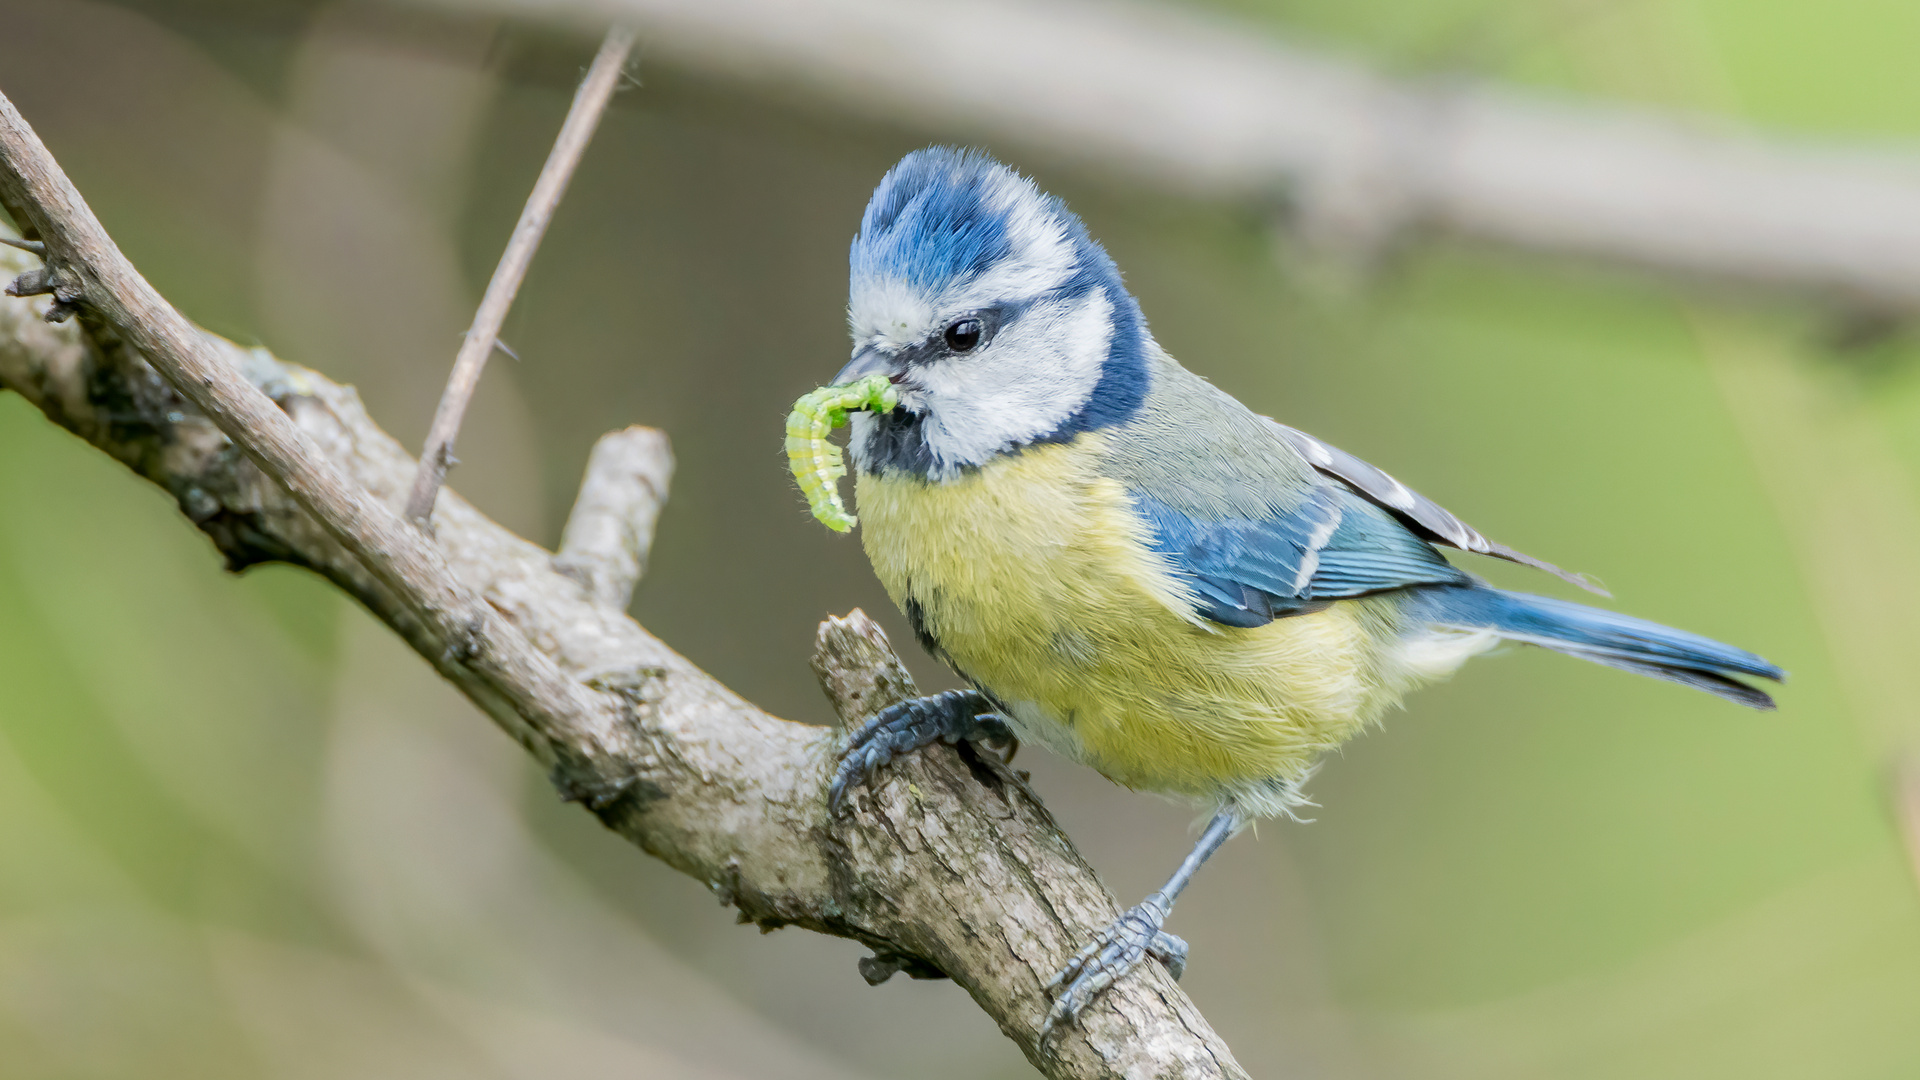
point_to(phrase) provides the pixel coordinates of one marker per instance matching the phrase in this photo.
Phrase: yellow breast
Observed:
(1035, 578)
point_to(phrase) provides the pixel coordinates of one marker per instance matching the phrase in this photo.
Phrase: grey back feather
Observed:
(1195, 448)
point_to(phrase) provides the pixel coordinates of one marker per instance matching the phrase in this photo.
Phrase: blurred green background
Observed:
(245, 833)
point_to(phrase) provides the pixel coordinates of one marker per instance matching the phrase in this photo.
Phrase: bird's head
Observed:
(1000, 322)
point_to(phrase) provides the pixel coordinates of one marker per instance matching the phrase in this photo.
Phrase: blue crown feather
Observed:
(935, 220)
(928, 222)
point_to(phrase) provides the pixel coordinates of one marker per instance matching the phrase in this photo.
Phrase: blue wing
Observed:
(1333, 544)
(1421, 514)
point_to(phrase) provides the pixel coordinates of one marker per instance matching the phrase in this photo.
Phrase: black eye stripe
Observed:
(939, 343)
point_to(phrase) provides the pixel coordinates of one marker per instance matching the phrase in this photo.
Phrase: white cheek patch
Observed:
(1038, 370)
(1035, 374)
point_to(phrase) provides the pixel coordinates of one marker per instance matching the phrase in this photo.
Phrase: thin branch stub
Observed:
(610, 531)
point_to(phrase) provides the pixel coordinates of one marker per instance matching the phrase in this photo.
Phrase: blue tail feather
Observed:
(1604, 637)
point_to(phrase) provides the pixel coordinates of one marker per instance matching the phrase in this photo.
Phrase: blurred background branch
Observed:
(1194, 102)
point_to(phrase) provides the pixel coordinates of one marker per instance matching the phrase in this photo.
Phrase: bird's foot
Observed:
(1113, 952)
(903, 728)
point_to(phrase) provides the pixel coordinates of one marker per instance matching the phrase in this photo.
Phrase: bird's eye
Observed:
(963, 335)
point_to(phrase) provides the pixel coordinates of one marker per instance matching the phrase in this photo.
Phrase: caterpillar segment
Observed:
(817, 463)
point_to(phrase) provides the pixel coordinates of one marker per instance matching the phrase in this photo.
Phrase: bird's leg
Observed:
(903, 728)
(1133, 937)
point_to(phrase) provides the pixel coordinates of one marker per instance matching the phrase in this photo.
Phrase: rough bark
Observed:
(949, 865)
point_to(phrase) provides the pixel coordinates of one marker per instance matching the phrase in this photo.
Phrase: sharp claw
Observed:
(860, 736)
(1171, 951)
(856, 768)
(1072, 967)
(905, 727)
(1112, 953)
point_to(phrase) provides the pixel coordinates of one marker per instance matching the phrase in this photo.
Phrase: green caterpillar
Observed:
(816, 463)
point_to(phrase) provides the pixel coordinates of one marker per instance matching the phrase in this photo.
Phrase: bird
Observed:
(1126, 565)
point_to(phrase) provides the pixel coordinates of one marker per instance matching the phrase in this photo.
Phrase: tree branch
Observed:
(949, 865)
(549, 713)
(589, 104)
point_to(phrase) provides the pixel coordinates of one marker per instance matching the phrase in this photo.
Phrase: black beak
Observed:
(868, 361)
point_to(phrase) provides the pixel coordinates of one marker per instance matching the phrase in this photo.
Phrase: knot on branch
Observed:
(884, 964)
(582, 780)
(63, 285)
(612, 783)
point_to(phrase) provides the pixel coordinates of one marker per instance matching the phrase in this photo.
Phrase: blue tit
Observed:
(1130, 567)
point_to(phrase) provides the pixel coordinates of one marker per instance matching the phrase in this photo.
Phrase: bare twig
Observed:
(589, 104)
(605, 543)
(1201, 105)
(948, 865)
